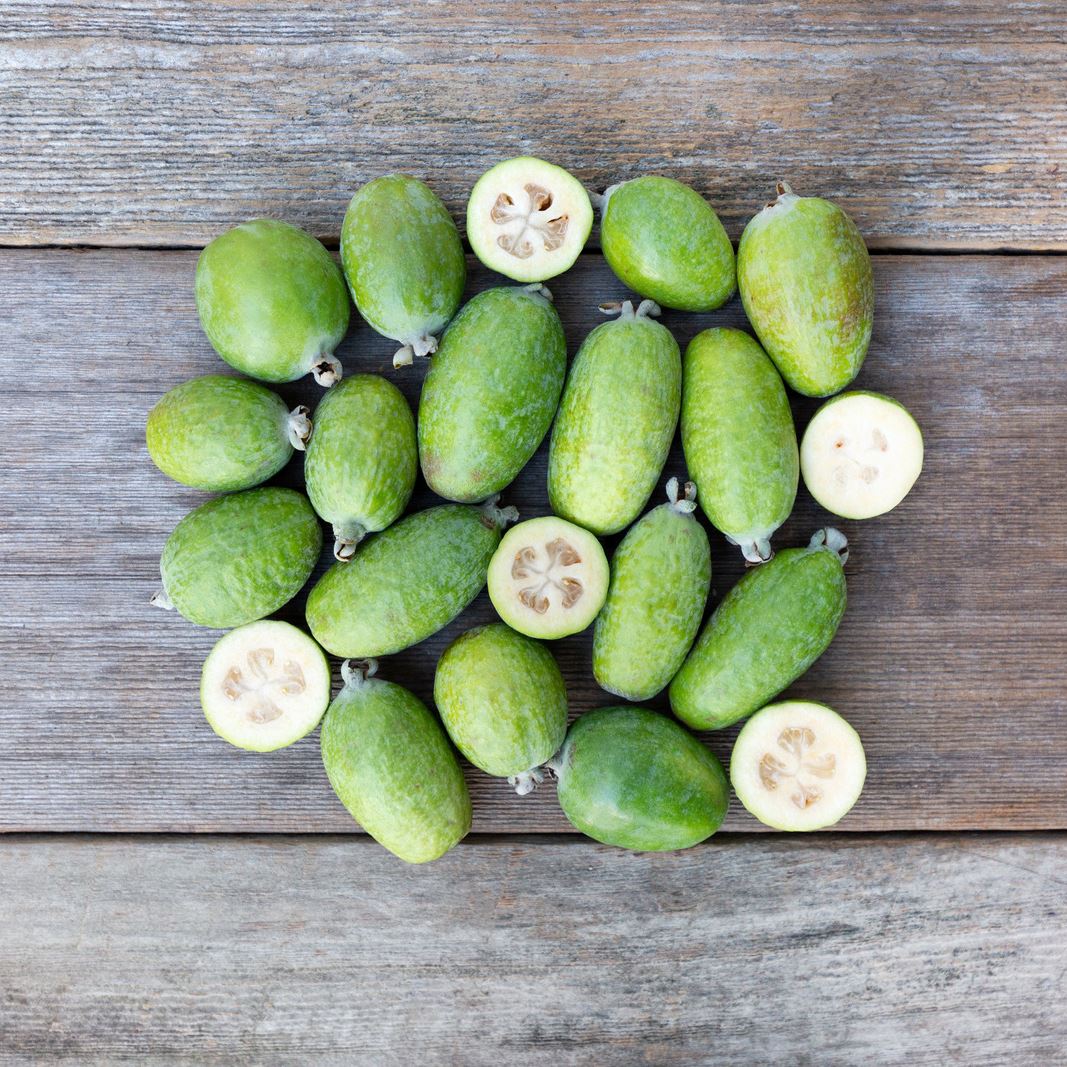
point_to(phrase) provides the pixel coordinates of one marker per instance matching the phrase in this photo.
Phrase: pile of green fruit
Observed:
(275, 306)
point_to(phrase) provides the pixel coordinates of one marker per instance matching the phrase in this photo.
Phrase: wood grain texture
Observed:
(949, 660)
(883, 950)
(164, 122)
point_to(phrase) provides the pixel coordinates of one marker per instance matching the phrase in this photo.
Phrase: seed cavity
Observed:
(527, 223)
(795, 741)
(263, 684)
(868, 473)
(560, 554)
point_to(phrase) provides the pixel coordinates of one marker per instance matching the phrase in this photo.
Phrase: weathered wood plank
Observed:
(162, 123)
(949, 660)
(885, 950)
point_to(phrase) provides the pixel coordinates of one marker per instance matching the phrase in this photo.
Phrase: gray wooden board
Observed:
(163, 122)
(949, 660)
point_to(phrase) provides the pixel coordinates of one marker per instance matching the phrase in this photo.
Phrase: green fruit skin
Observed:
(405, 584)
(402, 257)
(806, 284)
(271, 300)
(491, 392)
(663, 240)
(361, 460)
(502, 699)
(241, 557)
(633, 778)
(767, 631)
(738, 436)
(392, 767)
(660, 577)
(615, 424)
(219, 434)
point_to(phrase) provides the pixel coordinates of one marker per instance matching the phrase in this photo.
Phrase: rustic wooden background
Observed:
(130, 134)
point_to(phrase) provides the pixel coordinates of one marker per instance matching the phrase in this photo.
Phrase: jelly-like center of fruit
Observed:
(526, 223)
(795, 741)
(547, 575)
(855, 457)
(258, 690)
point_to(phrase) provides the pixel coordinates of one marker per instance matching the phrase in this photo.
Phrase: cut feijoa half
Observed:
(528, 219)
(264, 686)
(548, 578)
(798, 765)
(861, 454)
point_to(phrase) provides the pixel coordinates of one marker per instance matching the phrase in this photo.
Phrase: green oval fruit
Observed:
(503, 702)
(738, 437)
(491, 392)
(361, 463)
(663, 240)
(615, 422)
(240, 557)
(660, 577)
(633, 778)
(404, 262)
(768, 630)
(272, 302)
(806, 283)
(408, 582)
(222, 434)
(392, 767)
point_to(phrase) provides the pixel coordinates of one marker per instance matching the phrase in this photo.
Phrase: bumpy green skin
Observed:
(806, 283)
(219, 434)
(660, 577)
(664, 241)
(491, 392)
(405, 584)
(615, 424)
(768, 630)
(402, 257)
(502, 699)
(271, 300)
(738, 435)
(633, 778)
(392, 767)
(361, 460)
(241, 557)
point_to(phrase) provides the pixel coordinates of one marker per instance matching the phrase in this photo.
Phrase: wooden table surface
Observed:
(130, 134)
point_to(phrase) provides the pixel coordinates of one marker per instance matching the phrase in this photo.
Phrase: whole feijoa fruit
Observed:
(635, 779)
(272, 302)
(390, 764)
(663, 240)
(361, 462)
(739, 440)
(240, 557)
(806, 283)
(404, 262)
(616, 421)
(491, 392)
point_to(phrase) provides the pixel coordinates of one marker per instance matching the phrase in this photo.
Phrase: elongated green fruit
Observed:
(407, 582)
(660, 577)
(392, 767)
(664, 241)
(806, 283)
(404, 262)
(360, 465)
(491, 392)
(768, 630)
(616, 421)
(633, 778)
(272, 302)
(503, 702)
(240, 557)
(222, 434)
(738, 436)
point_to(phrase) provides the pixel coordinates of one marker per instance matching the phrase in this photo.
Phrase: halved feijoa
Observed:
(264, 686)
(548, 578)
(861, 454)
(528, 219)
(798, 765)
